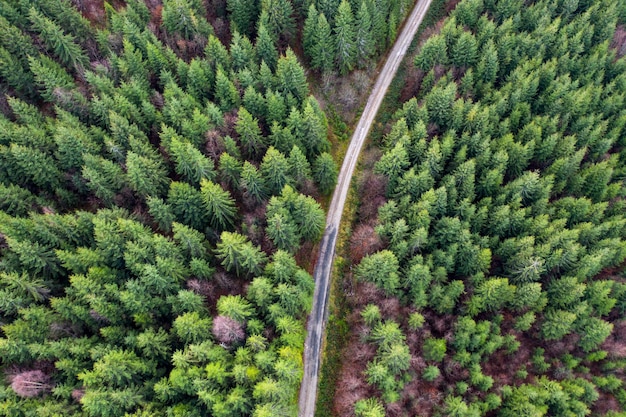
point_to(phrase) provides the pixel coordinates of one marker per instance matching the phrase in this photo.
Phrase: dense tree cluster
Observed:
(155, 185)
(344, 35)
(504, 216)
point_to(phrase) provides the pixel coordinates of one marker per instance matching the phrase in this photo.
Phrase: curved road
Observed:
(319, 312)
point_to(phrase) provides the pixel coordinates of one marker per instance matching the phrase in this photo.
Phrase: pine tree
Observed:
(282, 232)
(219, 205)
(230, 169)
(161, 213)
(323, 49)
(465, 52)
(199, 79)
(380, 268)
(187, 205)
(276, 109)
(325, 172)
(184, 18)
(277, 17)
(345, 38)
(314, 132)
(265, 48)
(309, 32)
(104, 178)
(243, 15)
(253, 183)
(275, 171)
(299, 167)
(290, 77)
(433, 52)
(190, 163)
(249, 133)
(237, 253)
(363, 35)
(242, 52)
(226, 93)
(146, 176)
(439, 103)
(50, 77)
(64, 46)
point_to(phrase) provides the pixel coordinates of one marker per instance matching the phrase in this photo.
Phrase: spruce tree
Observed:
(345, 38)
(323, 49)
(363, 35)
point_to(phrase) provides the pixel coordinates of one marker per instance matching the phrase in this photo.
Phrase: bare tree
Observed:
(227, 330)
(30, 383)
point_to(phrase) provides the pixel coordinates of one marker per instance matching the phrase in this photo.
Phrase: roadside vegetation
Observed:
(491, 231)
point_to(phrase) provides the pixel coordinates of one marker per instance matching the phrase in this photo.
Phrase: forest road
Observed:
(319, 311)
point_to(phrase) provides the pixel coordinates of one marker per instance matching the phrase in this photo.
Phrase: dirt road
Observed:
(319, 312)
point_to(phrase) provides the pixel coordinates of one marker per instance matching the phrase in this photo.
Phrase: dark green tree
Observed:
(345, 38)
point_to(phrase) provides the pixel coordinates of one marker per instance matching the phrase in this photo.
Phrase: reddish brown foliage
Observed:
(351, 385)
(372, 189)
(31, 383)
(451, 5)
(92, 10)
(201, 287)
(604, 404)
(412, 83)
(214, 145)
(77, 394)
(227, 330)
(619, 41)
(364, 241)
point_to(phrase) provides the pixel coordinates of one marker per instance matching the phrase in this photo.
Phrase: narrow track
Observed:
(319, 312)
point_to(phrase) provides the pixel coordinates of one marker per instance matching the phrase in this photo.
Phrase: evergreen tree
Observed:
(282, 232)
(238, 254)
(190, 163)
(249, 133)
(104, 178)
(299, 167)
(363, 35)
(219, 205)
(433, 52)
(345, 38)
(465, 51)
(243, 15)
(253, 183)
(64, 46)
(323, 48)
(275, 171)
(290, 77)
(277, 17)
(313, 131)
(226, 93)
(309, 32)
(146, 176)
(266, 48)
(187, 204)
(325, 172)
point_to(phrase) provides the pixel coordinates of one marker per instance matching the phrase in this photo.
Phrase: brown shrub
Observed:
(372, 191)
(364, 241)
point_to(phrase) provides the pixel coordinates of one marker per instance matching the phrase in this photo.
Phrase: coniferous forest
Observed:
(491, 233)
(162, 165)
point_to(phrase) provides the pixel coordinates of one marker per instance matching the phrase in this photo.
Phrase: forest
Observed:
(490, 239)
(163, 170)
(162, 165)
